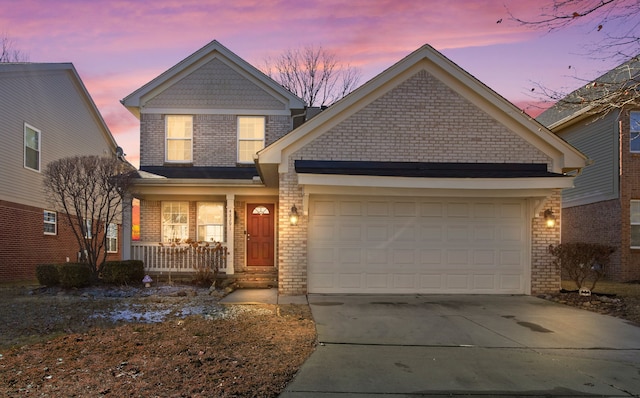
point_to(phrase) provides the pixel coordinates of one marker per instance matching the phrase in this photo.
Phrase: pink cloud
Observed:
(119, 45)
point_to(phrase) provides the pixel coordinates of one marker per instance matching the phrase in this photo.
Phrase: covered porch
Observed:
(176, 238)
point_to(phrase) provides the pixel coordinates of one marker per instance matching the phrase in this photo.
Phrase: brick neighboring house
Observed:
(604, 206)
(46, 114)
(423, 180)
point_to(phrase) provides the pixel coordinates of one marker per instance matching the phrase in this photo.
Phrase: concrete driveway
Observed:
(450, 345)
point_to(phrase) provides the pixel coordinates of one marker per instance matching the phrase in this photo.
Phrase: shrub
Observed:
(47, 274)
(582, 261)
(122, 272)
(74, 275)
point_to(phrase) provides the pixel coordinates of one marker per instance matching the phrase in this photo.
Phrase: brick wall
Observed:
(598, 222)
(214, 138)
(292, 239)
(24, 244)
(152, 137)
(416, 122)
(150, 221)
(545, 277)
(629, 269)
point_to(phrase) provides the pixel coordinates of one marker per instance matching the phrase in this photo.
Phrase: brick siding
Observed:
(416, 122)
(629, 268)
(24, 244)
(215, 138)
(545, 277)
(598, 222)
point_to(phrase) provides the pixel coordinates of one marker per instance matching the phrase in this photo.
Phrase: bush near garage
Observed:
(581, 261)
(127, 272)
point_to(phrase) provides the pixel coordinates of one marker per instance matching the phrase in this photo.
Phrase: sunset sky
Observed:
(118, 46)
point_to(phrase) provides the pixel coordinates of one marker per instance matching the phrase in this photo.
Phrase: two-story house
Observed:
(201, 124)
(46, 114)
(604, 206)
(423, 180)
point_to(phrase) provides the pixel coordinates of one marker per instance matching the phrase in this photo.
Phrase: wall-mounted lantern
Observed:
(293, 216)
(549, 218)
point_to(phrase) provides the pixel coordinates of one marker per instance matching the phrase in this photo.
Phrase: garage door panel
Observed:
(430, 256)
(484, 282)
(350, 208)
(484, 233)
(349, 281)
(377, 281)
(431, 209)
(419, 245)
(458, 233)
(378, 209)
(405, 209)
(403, 232)
(484, 257)
(511, 282)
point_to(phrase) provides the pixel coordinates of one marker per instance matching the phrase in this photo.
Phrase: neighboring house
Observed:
(46, 114)
(423, 180)
(604, 206)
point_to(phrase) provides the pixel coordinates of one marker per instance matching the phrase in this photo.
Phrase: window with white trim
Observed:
(112, 238)
(179, 134)
(251, 130)
(634, 131)
(50, 223)
(635, 224)
(31, 147)
(210, 222)
(175, 221)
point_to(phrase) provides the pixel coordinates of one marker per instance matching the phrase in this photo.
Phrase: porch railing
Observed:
(178, 260)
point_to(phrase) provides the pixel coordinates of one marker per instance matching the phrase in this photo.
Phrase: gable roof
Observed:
(68, 68)
(134, 101)
(565, 157)
(586, 100)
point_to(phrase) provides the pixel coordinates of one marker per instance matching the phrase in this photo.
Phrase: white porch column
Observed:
(126, 226)
(230, 233)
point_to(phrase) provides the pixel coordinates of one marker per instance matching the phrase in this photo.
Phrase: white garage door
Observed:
(417, 245)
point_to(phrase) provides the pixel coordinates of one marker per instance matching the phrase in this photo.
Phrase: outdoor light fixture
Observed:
(549, 218)
(293, 216)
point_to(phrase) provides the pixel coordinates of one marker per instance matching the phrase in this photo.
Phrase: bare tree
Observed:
(89, 191)
(313, 74)
(8, 52)
(618, 24)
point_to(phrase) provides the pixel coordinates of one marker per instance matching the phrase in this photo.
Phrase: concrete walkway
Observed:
(261, 296)
(488, 346)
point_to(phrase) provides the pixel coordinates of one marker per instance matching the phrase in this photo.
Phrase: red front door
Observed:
(260, 235)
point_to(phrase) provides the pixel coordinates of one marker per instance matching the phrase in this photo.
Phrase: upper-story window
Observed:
(31, 148)
(635, 131)
(250, 137)
(179, 132)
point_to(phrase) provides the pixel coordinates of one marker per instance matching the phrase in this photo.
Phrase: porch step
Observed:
(251, 279)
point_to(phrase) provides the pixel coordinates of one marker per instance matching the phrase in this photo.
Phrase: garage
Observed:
(401, 245)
